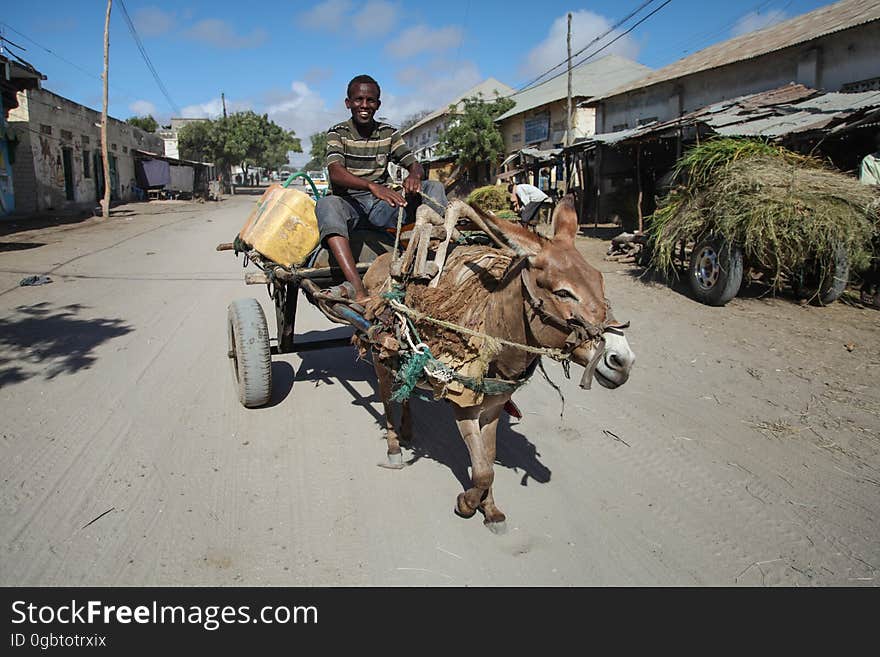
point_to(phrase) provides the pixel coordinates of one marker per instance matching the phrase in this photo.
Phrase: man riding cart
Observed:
(358, 152)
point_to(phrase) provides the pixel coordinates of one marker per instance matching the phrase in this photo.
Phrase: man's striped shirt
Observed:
(367, 157)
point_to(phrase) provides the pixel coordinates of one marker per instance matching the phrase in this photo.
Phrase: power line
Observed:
(125, 93)
(594, 41)
(51, 52)
(610, 43)
(140, 47)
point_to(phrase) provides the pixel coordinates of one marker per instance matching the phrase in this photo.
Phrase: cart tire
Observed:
(249, 352)
(715, 271)
(824, 290)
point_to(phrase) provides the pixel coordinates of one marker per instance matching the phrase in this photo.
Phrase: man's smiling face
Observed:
(363, 101)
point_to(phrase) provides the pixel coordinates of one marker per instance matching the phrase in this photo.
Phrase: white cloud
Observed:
(585, 26)
(430, 87)
(376, 19)
(421, 38)
(757, 21)
(219, 33)
(143, 108)
(152, 21)
(329, 15)
(305, 111)
(213, 108)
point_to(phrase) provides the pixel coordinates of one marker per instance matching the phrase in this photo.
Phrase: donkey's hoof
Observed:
(499, 527)
(394, 462)
(462, 510)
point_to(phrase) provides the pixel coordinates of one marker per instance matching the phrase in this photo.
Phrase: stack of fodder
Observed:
(492, 198)
(783, 209)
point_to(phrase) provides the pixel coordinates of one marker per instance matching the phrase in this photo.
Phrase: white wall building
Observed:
(835, 48)
(58, 162)
(540, 116)
(423, 136)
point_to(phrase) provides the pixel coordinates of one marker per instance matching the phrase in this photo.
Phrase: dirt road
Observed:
(744, 450)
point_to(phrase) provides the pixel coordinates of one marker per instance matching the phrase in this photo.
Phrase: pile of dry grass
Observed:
(780, 207)
(493, 198)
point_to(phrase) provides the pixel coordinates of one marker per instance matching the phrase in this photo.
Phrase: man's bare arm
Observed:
(413, 182)
(342, 177)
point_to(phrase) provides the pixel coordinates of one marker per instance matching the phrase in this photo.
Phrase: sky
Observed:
(292, 60)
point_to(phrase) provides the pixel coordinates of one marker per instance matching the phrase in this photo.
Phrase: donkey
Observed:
(547, 296)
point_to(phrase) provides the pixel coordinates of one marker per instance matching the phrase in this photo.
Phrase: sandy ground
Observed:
(744, 450)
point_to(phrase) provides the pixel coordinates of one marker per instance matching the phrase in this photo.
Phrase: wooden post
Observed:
(568, 122)
(105, 204)
(639, 181)
(598, 183)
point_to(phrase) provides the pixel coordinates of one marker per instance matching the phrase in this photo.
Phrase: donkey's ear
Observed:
(565, 220)
(519, 238)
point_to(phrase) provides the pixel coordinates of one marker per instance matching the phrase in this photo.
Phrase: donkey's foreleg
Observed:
(395, 457)
(482, 473)
(493, 516)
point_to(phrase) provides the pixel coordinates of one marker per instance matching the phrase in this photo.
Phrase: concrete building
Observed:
(423, 136)
(58, 162)
(15, 75)
(835, 48)
(540, 116)
(170, 135)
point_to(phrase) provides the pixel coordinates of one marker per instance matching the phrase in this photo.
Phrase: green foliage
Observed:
(146, 123)
(242, 138)
(318, 151)
(494, 198)
(782, 208)
(195, 141)
(473, 135)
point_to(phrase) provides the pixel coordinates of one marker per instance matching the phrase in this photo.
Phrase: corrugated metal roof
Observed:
(815, 113)
(826, 20)
(487, 88)
(587, 80)
(786, 110)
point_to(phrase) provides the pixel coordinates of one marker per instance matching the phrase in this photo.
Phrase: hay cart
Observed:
(249, 346)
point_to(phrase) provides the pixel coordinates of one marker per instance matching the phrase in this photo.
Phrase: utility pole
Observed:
(105, 204)
(223, 98)
(568, 123)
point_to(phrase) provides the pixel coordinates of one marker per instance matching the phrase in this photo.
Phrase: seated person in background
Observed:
(527, 200)
(358, 152)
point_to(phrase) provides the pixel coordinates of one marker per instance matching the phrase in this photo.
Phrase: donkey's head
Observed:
(567, 294)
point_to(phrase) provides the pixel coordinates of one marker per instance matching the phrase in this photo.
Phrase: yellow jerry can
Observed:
(283, 226)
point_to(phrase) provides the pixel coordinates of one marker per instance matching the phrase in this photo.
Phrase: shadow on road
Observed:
(679, 283)
(20, 246)
(435, 435)
(47, 340)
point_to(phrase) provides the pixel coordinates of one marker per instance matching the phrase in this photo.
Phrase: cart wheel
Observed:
(716, 271)
(249, 352)
(823, 288)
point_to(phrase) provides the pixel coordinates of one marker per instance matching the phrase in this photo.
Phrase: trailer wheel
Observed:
(824, 288)
(249, 352)
(715, 271)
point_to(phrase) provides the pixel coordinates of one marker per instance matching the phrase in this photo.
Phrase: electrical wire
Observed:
(140, 47)
(124, 93)
(594, 41)
(609, 44)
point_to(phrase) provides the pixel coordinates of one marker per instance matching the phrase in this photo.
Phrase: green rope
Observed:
(410, 372)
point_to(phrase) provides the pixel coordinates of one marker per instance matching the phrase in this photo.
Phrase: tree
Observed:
(243, 138)
(472, 134)
(195, 141)
(146, 123)
(318, 151)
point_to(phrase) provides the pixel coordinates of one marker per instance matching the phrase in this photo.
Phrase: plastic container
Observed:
(283, 226)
